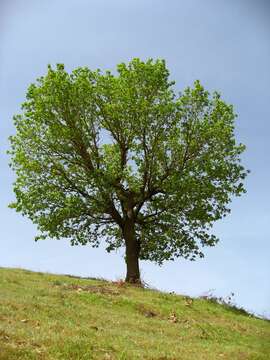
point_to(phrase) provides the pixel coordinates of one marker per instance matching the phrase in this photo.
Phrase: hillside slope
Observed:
(44, 316)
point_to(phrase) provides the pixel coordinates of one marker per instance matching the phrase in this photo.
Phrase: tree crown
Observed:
(93, 150)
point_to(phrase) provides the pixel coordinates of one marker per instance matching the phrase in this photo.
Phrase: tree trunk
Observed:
(132, 253)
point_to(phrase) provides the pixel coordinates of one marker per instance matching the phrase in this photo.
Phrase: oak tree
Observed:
(125, 159)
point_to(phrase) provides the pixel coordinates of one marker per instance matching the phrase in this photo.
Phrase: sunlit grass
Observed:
(44, 316)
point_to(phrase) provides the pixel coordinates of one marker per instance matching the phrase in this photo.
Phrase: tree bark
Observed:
(132, 253)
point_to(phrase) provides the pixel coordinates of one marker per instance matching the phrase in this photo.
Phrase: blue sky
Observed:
(224, 44)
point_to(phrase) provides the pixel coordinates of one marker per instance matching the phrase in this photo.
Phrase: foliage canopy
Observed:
(97, 153)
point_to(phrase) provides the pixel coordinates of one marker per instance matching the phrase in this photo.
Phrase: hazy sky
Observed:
(225, 44)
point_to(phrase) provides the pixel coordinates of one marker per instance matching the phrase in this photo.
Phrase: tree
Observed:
(123, 158)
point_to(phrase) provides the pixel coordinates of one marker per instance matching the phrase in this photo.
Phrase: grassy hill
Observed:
(44, 316)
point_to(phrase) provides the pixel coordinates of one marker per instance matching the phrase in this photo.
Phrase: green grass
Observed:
(44, 316)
